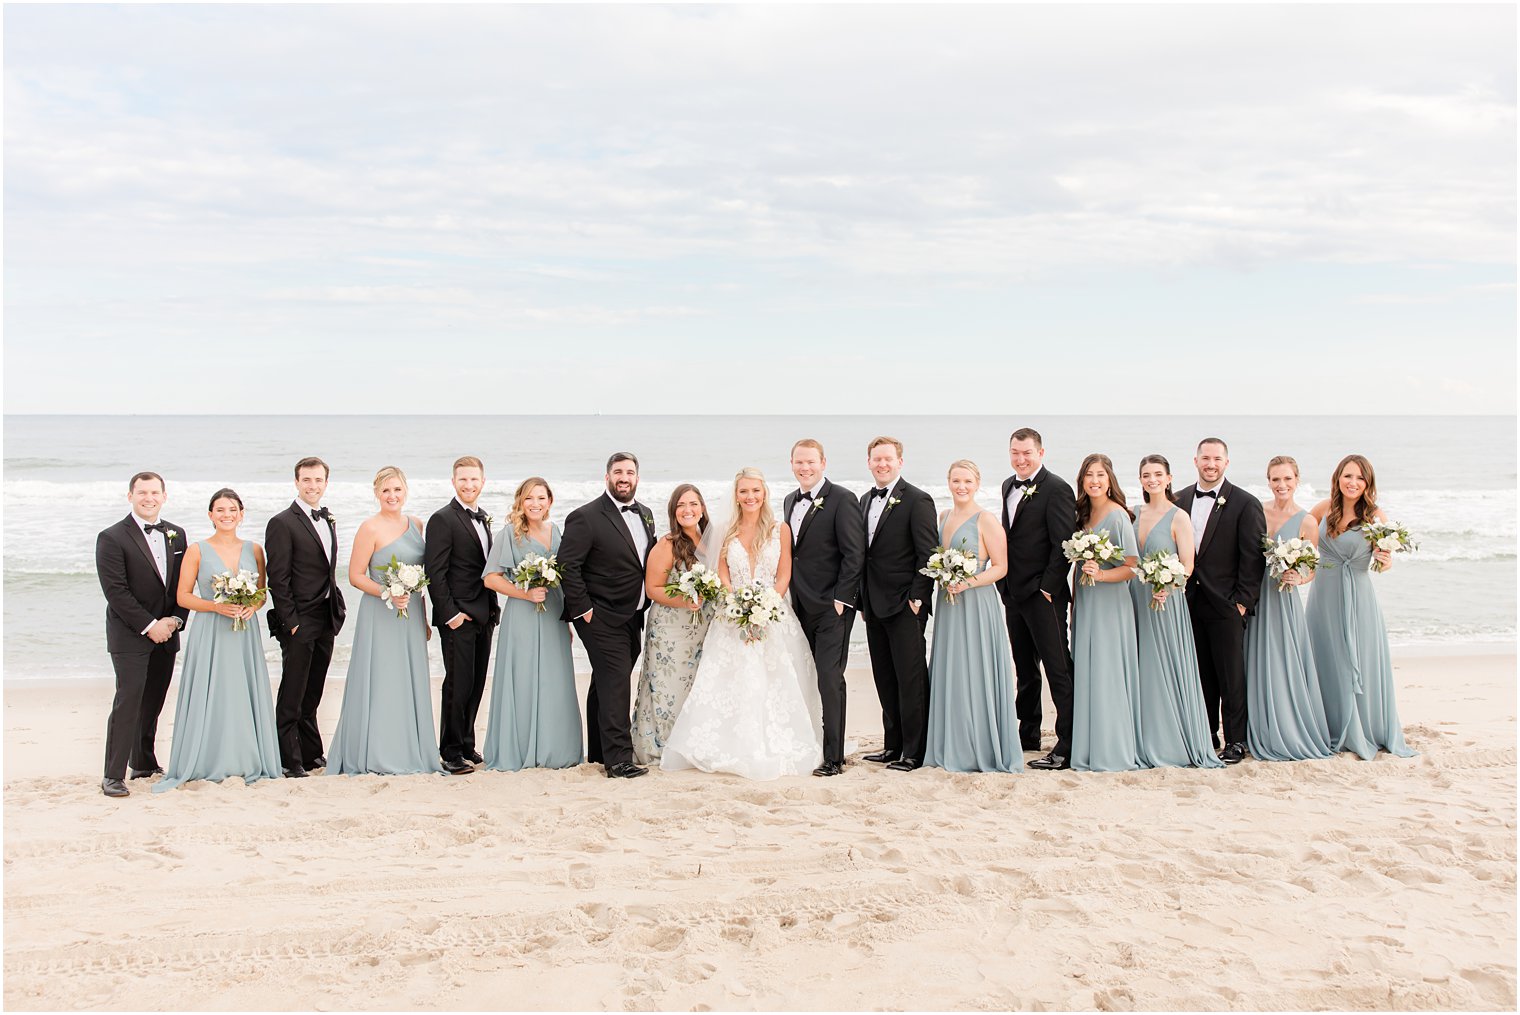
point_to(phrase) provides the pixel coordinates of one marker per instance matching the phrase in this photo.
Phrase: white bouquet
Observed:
(537, 572)
(950, 567)
(754, 608)
(1390, 536)
(1285, 556)
(398, 579)
(1089, 545)
(698, 584)
(241, 589)
(1162, 570)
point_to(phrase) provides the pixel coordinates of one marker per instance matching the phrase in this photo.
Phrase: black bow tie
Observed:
(477, 515)
(1209, 493)
(155, 527)
(804, 496)
(630, 508)
(321, 514)
(880, 491)
(1022, 484)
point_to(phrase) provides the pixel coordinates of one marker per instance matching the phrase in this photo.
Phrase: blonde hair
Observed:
(519, 518)
(388, 472)
(968, 465)
(766, 526)
(1287, 460)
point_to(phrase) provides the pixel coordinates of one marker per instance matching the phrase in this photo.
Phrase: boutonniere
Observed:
(892, 502)
(1029, 491)
(1219, 503)
(170, 535)
(648, 519)
(488, 519)
(818, 503)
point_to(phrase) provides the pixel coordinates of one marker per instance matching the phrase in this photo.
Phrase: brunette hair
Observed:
(680, 543)
(878, 441)
(312, 462)
(622, 456)
(132, 483)
(227, 492)
(467, 461)
(808, 442)
(1154, 460)
(1213, 440)
(1084, 502)
(1025, 433)
(517, 517)
(1366, 506)
(1287, 460)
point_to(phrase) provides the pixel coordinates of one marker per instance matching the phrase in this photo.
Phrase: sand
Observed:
(1339, 884)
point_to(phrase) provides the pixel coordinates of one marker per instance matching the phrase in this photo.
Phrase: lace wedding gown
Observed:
(753, 709)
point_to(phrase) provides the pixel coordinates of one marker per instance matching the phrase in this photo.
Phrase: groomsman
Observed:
(305, 615)
(828, 552)
(601, 555)
(1228, 527)
(464, 610)
(901, 533)
(1039, 512)
(137, 560)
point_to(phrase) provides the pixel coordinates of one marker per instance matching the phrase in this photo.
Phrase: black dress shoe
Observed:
(114, 787)
(830, 768)
(475, 757)
(625, 770)
(457, 766)
(1233, 754)
(905, 764)
(1051, 762)
(1029, 745)
(884, 756)
(146, 773)
(320, 761)
(294, 773)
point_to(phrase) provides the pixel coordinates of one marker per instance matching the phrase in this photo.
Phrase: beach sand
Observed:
(1339, 884)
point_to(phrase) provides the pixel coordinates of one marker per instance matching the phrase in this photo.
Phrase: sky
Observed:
(788, 209)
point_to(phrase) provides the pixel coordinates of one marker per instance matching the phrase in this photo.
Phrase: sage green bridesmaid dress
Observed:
(972, 725)
(386, 726)
(224, 715)
(1105, 664)
(1171, 731)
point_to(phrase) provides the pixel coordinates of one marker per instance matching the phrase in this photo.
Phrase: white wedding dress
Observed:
(753, 709)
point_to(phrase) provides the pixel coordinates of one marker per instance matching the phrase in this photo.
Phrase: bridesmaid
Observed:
(224, 718)
(673, 629)
(386, 725)
(1105, 664)
(1284, 713)
(972, 726)
(1171, 730)
(1346, 624)
(534, 720)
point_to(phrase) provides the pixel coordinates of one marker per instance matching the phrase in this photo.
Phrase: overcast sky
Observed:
(751, 209)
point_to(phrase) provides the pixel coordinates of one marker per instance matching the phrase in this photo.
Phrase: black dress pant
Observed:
(1220, 642)
(613, 649)
(466, 654)
(1037, 637)
(142, 683)
(304, 658)
(828, 635)
(901, 673)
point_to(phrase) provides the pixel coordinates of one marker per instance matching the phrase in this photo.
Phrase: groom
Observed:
(900, 535)
(1228, 527)
(828, 551)
(602, 554)
(137, 561)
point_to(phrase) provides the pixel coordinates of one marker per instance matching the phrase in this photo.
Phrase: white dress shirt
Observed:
(323, 531)
(874, 512)
(1016, 496)
(160, 548)
(801, 508)
(1202, 508)
(480, 528)
(635, 523)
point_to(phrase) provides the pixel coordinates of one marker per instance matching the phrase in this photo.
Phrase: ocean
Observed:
(1451, 479)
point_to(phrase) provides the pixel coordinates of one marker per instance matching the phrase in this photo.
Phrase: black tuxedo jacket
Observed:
(135, 594)
(1044, 520)
(906, 534)
(830, 548)
(1229, 564)
(603, 569)
(303, 583)
(455, 566)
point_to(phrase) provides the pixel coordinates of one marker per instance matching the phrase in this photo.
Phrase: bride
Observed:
(754, 708)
